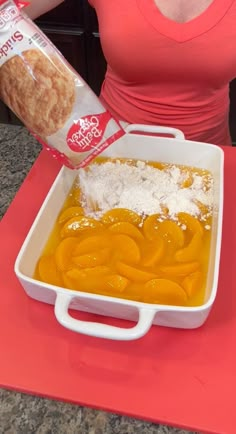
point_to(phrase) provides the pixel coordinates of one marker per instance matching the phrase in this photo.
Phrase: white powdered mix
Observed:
(143, 188)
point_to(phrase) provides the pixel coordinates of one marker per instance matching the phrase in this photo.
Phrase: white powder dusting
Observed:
(143, 188)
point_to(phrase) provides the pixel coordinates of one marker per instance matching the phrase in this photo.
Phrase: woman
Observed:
(170, 62)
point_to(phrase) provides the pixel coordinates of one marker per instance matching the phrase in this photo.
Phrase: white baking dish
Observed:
(170, 150)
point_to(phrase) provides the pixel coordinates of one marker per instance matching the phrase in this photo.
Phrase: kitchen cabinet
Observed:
(70, 13)
(73, 28)
(96, 63)
(72, 44)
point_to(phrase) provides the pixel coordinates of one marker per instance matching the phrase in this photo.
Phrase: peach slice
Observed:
(68, 213)
(116, 283)
(164, 291)
(125, 249)
(92, 259)
(79, 224)
(134, 274)
(151, 225)
(179, 269)
(152, 252)
(192, 251)
(121, 215)
(187, 182)
(100, 270)
(64, 252)
(169, 230)
(191, 222)
(126, 228)
(87, 279)
(48, 271)
(92, 243)
(192, 283)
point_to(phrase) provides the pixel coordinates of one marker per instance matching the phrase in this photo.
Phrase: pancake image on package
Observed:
(39, 89)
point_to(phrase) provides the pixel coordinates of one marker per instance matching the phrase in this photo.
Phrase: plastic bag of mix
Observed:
(47, 94)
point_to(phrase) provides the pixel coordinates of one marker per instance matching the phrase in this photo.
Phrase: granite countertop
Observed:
(25, 414)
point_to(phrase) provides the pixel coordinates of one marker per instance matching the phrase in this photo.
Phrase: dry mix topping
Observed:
(146, 189)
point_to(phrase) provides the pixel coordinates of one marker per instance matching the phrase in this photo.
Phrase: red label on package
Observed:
(87, 133)
(18, 3)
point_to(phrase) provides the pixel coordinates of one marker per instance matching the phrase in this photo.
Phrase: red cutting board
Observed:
(185, 378)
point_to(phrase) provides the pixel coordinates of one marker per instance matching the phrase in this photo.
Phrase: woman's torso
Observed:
(169, 73)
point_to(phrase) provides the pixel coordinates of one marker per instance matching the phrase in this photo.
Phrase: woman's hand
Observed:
(39, 7)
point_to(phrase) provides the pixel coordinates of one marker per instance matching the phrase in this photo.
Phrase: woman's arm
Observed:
(39, 7)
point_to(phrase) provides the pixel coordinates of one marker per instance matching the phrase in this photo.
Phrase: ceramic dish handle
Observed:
(178, 134)
(101, 330)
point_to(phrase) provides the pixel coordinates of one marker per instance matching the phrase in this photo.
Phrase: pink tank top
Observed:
(166, 73)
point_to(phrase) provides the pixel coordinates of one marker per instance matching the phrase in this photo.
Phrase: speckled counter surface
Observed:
(25, 414)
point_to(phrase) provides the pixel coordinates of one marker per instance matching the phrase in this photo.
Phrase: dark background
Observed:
(73, 29)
